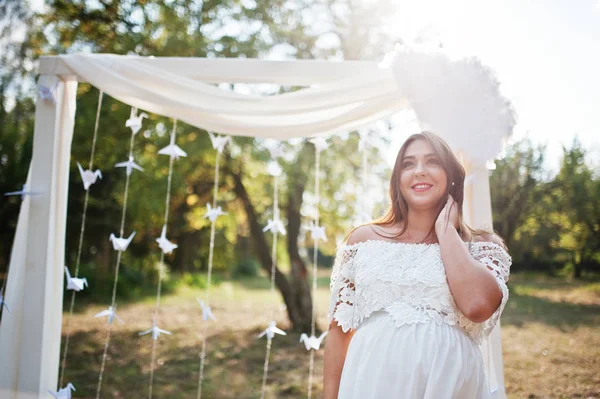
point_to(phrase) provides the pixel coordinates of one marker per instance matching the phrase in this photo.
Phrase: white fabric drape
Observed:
(338, 106)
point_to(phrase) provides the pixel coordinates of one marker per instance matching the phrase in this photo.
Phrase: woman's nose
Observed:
(419, 170)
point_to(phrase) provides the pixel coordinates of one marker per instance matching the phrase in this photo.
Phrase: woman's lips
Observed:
(419, 188)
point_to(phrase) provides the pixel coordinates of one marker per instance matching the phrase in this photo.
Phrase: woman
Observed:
(414, 293)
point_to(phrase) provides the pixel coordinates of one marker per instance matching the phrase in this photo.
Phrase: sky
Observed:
(546, 54)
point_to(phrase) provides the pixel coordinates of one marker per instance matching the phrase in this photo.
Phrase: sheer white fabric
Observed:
(393, 293)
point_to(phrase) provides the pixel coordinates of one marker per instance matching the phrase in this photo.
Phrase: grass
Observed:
(550, 329)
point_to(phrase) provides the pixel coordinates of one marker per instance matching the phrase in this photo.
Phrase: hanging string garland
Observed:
(275, 226)
(213, 212)
(120, 244)
(76, 283)
(166, 247)
(313, 343)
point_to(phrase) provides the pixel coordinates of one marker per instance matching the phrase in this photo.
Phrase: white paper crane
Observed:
(64, 393)
(46, 93)
(164, 244)
(3, 304)
(130, 165)
(219, 142)
(88, 176)
(271, 331)
(320, 143)
(206, 311)
(23, 192)
(317, 232)
(121, 244)
(75, 283)
(173, 149)
(275, 225)
(135, 121)
(312, 342)
(111, 314)
(274, 169)
(156, 331)
(213, 213)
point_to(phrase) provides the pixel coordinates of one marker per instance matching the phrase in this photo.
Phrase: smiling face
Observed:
(423, 180)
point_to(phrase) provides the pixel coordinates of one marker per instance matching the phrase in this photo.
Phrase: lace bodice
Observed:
(408, 281)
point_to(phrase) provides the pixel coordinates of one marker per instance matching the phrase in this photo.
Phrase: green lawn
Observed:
(551, 342)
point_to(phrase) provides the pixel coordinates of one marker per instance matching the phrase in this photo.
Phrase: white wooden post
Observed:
(30, 337)
(477, 210)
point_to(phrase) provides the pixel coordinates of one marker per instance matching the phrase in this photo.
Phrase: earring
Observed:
(453, 183)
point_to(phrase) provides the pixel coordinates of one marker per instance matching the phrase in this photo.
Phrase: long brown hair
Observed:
(398, 211)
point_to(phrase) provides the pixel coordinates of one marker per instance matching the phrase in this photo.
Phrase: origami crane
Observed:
(64, 393)
(46, 93)
(88, 176)
(22, 193)
(75, 283)
(275, 225)
(135, 121)
(219, 142)
(274, 169)
(317, 232)
(130, 165)
(121, 244)
(206, 311)
(156, 331)
(164, 244)
(213, 214)
(3, 304)
(271, 331)
(173, 150)
(312, 342)
(320, 143)
(111, 314)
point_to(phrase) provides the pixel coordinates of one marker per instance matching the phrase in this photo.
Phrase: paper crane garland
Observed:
(111, 315)
(75, 283)
(155, 331)
(46, 93)
(129, 165)
(275, 225)
(271, 331)
(206, 311)
(3, 304)
(165, 245)
(317, 232)
(88, 176)
(23, 192)
(173, 150)
(213, 213)
(219, 142)
(135, 121)
(312, 342)
(121, 244)
(64, 393)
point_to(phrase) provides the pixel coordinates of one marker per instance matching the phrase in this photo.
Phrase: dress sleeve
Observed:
(343, 293)
(498, 261)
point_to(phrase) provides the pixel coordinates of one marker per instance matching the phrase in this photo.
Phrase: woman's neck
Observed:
(420, 223)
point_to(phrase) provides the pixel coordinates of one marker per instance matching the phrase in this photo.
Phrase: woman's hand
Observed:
(447, 217)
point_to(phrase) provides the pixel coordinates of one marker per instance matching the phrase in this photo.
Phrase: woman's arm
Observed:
(336, 347)
(473, 286)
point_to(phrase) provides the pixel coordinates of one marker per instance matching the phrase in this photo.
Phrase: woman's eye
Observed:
(434, 161)
(406, 165)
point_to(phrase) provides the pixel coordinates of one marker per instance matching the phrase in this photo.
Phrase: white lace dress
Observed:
(411, 340)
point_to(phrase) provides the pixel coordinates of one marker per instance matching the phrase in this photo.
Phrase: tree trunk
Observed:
(298, 312)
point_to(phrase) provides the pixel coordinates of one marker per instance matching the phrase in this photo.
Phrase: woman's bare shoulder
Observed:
(361, 233)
